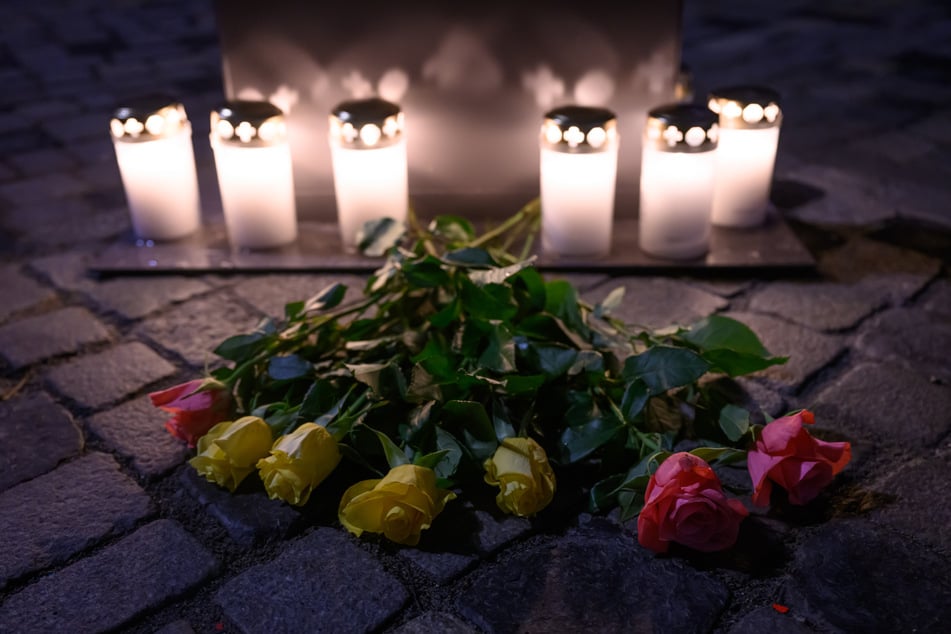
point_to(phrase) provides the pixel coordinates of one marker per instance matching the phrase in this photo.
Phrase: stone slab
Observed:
(195, 328)
(156, 563)
(912, 338)
(97, 379)
(593, 579)
(656, 302)
(136, 430)
(808, 351)
(20, 292)
(861, 257)
(36, 435)
(51, 518)
(937, 299)
(819, 305)
(269, 293)
(60, 332)
(767, 619)
(431, 622)
(878, 402)
(133, 298)
(824, 587)
(319, 583)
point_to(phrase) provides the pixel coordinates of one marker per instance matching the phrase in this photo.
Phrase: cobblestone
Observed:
(658, 302)
(98, 379)
(20, 292)
(915, 339)
(821, 306)
(937, 299)
(64, 331)
(158, 562)
(614, 585)
(435, 622)
(872, 401)
(36, 435)
(310, 587)
(136, 430)
(269, 293)
(769, 620)
(51, 518)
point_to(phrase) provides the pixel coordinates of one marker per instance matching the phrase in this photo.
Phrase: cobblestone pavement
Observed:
(103, 528)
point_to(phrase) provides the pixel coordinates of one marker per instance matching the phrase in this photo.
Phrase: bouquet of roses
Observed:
(460, 367)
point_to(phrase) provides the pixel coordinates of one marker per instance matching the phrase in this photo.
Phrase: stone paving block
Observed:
(66, 271)
(937, 299)
(136, 297)
(269, 293)
(36, 435)
(849, 198)
(860, 258)
(249, 517)
(68, 222)
(767, 619)
(47, 520)
(895, 145)
(41, 188)
(195, 328)
(156, 563)
(819, 305)
(97, 379)
(136, 430)
(20, 292)
(656, 302)
(912, 338)
(431, 622)
(592, 579)
(177, 627)
(319, 583)
(889, 599)
(27, 341)
(722, 287)
(43, 161)
(808, 351)
(916, 486)
(874, 401)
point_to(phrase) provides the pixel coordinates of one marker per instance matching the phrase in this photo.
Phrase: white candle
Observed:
(368, 151)
(579, 148)
(678, 170)
(157, 165)
(253, 162)
(750, 119)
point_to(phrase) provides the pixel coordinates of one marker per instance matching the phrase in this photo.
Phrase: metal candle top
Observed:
(681, 128)
(366, 124)
(249, 123)
(147, 119)
(579, 130)
(746, 107)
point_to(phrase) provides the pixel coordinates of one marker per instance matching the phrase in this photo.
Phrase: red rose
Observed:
(195, 406)
(684, 503)
(788, 455)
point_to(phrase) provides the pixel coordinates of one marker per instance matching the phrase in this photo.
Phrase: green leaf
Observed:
(739, 363)
(293, 310)
(634, 399)
(288, 367)
(497, 275)
(561, 300)
(471, 416)
(721, 455)
(469, 256)
(431, 460)
(377, 236)
(241, 347)
(717, 332)
(327, 298)
(587, 361)
(552, 360)
(663, 367)
(450, 464)
(604, 494)
(734, 421)
(453, 229)
(516, 384)
(394, 455)
(426, 274)
(529, 288)
(385, 379)
(490, 302)
(579, 442)
(499, 354)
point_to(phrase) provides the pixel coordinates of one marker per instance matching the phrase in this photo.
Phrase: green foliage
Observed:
(456, 343)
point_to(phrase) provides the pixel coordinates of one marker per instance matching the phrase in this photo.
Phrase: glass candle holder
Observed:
(677, 181)
(253, 161)
(153, 143)
(750, 119)
(579, 148)
(368, 150)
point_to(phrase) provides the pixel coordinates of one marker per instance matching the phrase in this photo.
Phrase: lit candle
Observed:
(153, 142)
(677, 180)
(368, 150)
(749, 133)
(253, 161)
(579, 147)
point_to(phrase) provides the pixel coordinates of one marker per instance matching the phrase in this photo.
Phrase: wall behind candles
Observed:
(473, 79)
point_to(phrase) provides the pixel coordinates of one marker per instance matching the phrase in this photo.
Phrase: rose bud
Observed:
(229, 451)
(195, 406)
(299, 462)
(521, 471)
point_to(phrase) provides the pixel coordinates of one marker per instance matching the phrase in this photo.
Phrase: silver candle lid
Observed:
(746, 107)
(366, 124)
(579, 130)
(147, 119)
(681, 128)
(248, 123)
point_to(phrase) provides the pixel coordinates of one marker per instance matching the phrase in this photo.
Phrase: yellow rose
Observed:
(299, 462)
(400, 506)
(229, 451)
(521, 471)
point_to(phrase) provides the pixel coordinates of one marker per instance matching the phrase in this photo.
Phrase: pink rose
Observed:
(684, 503)
(788, 455)
(195, 406)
